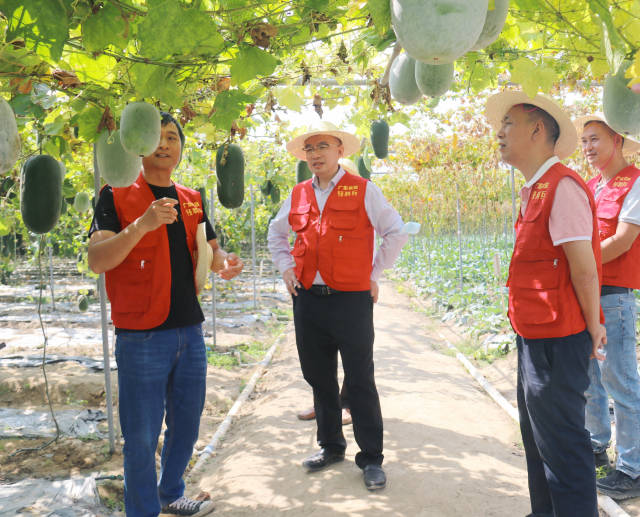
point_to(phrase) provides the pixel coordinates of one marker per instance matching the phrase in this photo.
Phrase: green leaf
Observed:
(156, 82)
(104, 28)
(168, 29)
(524, 73)
(288, 98)
(229, 105)
(41, 24)
(88, 122)
(380, 11)
(614, 45)
(250, 63)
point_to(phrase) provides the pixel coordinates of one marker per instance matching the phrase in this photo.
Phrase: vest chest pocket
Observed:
(299, 217)
(609, 205)
(343, 217)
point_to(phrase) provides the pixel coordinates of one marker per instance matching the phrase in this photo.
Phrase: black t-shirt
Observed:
(184, 309)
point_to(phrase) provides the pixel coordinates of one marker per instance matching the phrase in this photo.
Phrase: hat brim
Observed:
(350, 143)
(498, 105)
(630, 145)
(205, 258)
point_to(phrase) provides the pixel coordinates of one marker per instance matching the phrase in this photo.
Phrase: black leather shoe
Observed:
(374, 477)
(321, 459)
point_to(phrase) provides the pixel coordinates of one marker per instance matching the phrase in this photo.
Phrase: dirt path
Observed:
(449, 450)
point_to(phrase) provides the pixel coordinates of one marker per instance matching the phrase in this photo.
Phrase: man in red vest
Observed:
(332, 276)
(554, 300)
(617, 194)
(143, 237)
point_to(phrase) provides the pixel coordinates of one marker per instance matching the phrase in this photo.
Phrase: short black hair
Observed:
(536, 113)
(166, 118)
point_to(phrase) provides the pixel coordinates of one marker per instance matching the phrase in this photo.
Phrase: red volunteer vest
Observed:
(622, 271)
(542, 301)
(139, 288)
(338, 242)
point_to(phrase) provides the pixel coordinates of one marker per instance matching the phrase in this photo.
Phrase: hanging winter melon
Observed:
(41, 193)
(9, 137)
(82, 202)
(438, 31)
(380, 138)
(362, 168)
(402, 80)
(302, 171)
(275, 194)
(140, 128)
(118, 167)
(83, 303)
(230, 173)
(493, 24)
(434, 80)
(621, 106)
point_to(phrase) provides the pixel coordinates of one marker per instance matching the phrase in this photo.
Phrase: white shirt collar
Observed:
(541, 171)
(334, 181)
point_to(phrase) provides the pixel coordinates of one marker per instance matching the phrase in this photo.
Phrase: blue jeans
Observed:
(160, 374)
(618, 377)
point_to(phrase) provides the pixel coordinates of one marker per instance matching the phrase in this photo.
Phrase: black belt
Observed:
(614, 289)
(322, 290)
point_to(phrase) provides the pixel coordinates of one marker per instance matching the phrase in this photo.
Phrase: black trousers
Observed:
(325, 325)
(552, 379)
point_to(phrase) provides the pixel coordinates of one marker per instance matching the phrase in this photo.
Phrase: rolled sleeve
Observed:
(278, 238)
(388, 225)
(571, 218)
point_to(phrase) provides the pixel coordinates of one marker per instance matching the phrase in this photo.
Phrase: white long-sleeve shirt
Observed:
(383, 217)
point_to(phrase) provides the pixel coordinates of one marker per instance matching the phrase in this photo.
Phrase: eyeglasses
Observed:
(321, 148)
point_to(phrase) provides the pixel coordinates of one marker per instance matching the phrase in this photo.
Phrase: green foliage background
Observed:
(237, 69)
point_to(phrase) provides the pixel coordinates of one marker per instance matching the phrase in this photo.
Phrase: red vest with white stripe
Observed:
(338, 242)
(542, 301)
(139, 288)
(623, 271)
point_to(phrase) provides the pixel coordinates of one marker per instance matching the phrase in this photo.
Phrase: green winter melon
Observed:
(380, 138)
(266, 188)
(275, 194)
(362, 168)
(41, 193)
(402, 80)
(63, 206)
(82, 202)
(83, 303)
(9, 137)
(303, 172)
(118, 167)
(140, 128)
(230, 173)
(493, 24)
(621, 106)
(434, 80)
(438, 31)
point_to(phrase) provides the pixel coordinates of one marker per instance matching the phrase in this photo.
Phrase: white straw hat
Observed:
(630, 146)
(499, 104)
(350, 142)
(348, 165)
(205, 257)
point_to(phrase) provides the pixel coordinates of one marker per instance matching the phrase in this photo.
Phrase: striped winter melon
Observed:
(41, 193)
